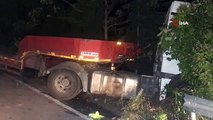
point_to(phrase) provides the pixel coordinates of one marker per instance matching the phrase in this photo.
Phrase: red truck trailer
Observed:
(75, 64)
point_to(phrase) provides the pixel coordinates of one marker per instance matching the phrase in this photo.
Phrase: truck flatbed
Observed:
(79, 49)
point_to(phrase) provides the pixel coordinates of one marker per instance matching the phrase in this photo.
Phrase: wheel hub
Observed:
(62, 83)
(65, 82)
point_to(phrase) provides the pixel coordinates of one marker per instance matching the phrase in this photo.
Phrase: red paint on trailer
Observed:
(78, 47)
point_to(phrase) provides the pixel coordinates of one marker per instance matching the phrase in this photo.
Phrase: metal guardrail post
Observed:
(193, 116)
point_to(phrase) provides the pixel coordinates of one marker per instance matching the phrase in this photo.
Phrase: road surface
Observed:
(17, 102)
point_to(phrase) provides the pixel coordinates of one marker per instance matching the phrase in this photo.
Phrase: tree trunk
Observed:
(105, 21)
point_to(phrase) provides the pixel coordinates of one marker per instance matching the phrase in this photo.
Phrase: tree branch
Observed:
(126, 2)
(111, 7)
(72, 5)
(114, 20)
(116, 24)
(126, 12)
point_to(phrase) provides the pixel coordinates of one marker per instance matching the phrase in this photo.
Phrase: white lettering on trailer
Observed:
(90, 54)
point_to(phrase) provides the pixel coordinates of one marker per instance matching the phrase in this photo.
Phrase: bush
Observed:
(192, 45)
(141, 108)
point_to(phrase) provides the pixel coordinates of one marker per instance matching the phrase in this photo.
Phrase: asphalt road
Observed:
(17, 102)
(83, 103)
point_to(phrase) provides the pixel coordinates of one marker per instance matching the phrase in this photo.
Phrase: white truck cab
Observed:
(165, 69)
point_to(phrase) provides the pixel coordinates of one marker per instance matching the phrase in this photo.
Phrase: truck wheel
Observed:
(63, 84)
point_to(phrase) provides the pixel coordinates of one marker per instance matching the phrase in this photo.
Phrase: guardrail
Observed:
(197, 105)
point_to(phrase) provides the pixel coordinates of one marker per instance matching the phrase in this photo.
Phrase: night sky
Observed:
(19, 18)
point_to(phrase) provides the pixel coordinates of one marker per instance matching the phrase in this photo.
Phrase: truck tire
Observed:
(63, 84)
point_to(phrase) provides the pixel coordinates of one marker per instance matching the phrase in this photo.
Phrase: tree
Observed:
(106, 18)
(192, 45)
(115, 15)
(13, 19)
(76, 18)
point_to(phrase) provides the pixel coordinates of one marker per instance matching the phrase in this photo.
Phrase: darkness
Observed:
(32, 17)
(130, 20)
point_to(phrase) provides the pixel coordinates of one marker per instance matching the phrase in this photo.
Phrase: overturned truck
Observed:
(75, 64)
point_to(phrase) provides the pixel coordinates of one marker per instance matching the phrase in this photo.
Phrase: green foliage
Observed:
(192, 45)
(173, 106)
(161, 116)
(137, 109)
(35, 15)
(142, 108)
(96, 116)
